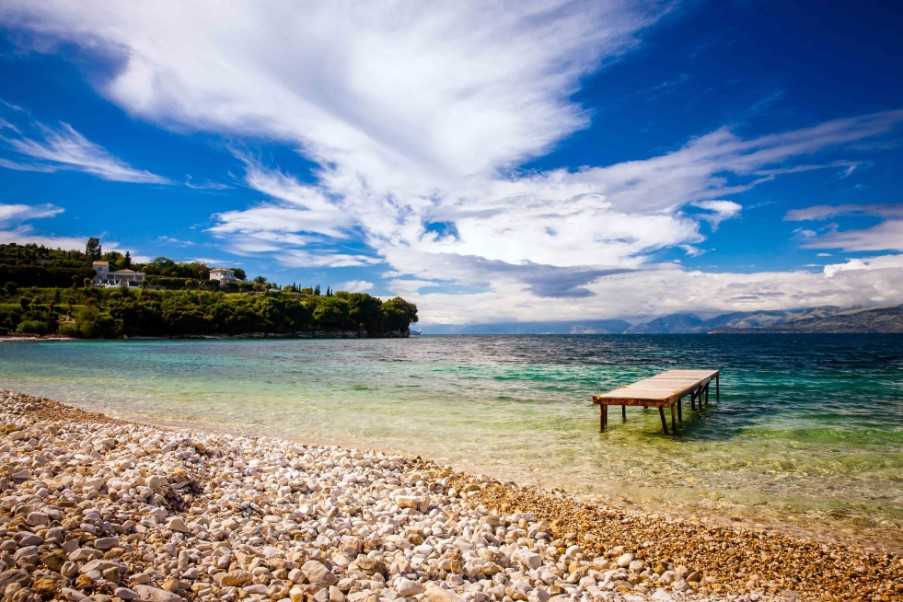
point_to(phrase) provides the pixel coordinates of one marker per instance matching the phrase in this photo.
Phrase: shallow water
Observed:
(808, 433)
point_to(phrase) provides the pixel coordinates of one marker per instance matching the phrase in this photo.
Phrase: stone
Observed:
(406, 587)
(234, 578)
(83, 554)
(661, 595)
(177, 523)
(105, 543)
(146, 593)
(411, 501)
(74, 595)
(296, 594)
(30, 539)
(624, 560)
(44, 586)
(100, 565)
(538, 595)
(37, 519)
(317, 573)
(530, 560)
(141, 578)
(125, 593)
(434, 593)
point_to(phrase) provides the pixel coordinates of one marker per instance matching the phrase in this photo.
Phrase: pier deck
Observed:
(664, 390)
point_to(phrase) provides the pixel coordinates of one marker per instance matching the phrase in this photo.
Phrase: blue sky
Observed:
(513, 161)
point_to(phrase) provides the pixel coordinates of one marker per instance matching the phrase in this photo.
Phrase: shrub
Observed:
(33, 327)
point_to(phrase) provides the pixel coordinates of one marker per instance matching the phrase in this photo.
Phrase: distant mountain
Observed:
(574, 327)
(674, 323)
(818, 319)
(888, 319)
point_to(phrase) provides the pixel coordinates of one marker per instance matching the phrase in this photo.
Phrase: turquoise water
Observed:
(808, 434)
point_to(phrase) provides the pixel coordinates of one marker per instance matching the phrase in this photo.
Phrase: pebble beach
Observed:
(95, 508)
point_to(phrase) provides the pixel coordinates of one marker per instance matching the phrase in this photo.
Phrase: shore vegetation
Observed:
(48, 292)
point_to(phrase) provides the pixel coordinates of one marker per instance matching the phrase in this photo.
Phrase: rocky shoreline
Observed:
(93, 508)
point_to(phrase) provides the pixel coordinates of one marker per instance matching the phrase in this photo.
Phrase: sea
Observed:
(807, 436)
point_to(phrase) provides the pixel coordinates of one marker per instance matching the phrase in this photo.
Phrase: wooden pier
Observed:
(665, 390)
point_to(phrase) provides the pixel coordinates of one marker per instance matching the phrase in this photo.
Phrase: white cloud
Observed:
(873, 282)
(24, 235)
(206, 185)
(19, 166)
(881, 262)
(884, 236)
(418, 116)
(718, 211)
(823, 212)
(13, 229)
(66, 148)
(355, 286)
(296, 258)
(14, 213)
(175, 242)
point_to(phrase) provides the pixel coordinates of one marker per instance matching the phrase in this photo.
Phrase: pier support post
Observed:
(603, 417)
(707, 394)
(673, 419)
(661, 413)
(623, 413)
(718, 387)
(680, 413)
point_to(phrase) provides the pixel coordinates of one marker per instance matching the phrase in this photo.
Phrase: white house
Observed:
(127, 278)
(223, 275)
(103, 277)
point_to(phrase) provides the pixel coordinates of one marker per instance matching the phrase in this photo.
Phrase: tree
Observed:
(332, 313)
(93, 249)
(239, 273)
(127, 262)
(398, 315)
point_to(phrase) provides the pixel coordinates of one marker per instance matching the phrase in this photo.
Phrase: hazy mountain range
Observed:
(820, 319)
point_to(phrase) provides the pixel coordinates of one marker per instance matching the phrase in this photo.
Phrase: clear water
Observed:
(808, 434)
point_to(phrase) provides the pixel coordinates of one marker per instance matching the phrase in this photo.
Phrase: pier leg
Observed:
(717, 387)
(624, 413)
(661, 413)
(693, 400)
(680, 413)
(707, 394)
(603, 417)
(673, 419)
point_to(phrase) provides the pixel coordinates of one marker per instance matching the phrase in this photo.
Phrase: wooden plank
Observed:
(664, 390)
(666, 387)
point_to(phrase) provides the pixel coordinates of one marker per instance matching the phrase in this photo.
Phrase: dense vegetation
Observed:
(33, 265)
(33, 300)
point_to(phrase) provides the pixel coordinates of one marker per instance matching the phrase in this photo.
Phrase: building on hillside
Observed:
(101, 271)
(127, 278)
(103, 277)
(223, 275)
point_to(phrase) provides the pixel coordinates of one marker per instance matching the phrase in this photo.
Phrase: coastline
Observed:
(226, 516)
(317, 334)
